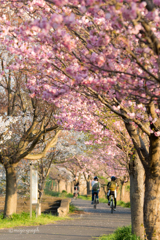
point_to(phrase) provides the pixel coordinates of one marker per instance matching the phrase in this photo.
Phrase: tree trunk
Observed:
(120, 189)
(152, 192)
(11, 191)
(88, 187)
(52, 186)
(58, 185)
(72, 187)
(137, 195)
(41, 191)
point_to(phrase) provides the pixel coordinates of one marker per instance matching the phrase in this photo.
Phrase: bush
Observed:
(123, 233)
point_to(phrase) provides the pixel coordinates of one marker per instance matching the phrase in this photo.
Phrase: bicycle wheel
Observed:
(112, 206)
(95, 203)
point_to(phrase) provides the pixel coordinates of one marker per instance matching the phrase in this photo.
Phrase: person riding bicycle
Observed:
(76, 186)
(111, 187)
(95, 188)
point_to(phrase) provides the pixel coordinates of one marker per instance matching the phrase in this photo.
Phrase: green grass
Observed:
(122, 233)
(63, 194)
(105, 200)
(85, 197)
(123, 204)
(23, 219)
(72, 208)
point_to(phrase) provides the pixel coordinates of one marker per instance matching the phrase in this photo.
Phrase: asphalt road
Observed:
(93, 223)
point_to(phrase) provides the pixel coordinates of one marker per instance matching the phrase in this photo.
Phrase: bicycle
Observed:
(76, 192)
(95, 201)
(111, 204)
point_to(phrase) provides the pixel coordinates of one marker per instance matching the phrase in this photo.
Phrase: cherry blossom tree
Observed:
(104, 55)
(26, 124)
(99, 159)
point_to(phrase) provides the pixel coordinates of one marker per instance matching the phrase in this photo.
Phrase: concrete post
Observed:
(31, 190)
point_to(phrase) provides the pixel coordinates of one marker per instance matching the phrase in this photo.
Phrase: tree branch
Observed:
(48, 146)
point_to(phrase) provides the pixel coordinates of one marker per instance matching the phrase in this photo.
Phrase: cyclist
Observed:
(111, 187)
(76, 186)
(95, 188)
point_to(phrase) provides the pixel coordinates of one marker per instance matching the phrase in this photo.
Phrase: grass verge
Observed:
(104, 200)
(123, 204)
(23, 219)
(74, 209)
(122, 233)
(84, 197)
(119, 203)
(63, 194)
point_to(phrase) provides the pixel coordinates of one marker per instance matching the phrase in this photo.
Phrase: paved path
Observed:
(93, 223)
